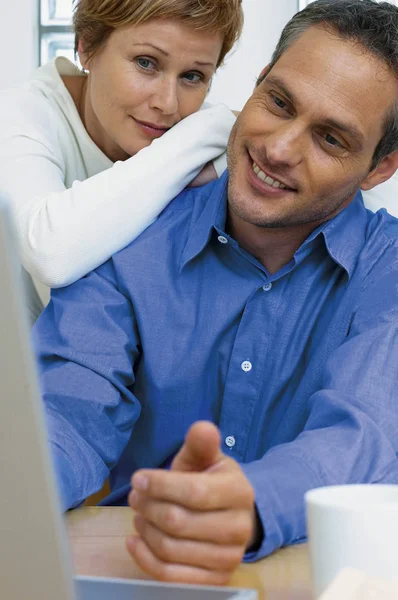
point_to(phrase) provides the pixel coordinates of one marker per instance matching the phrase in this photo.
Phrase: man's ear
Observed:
(263, 75)
(384, 170)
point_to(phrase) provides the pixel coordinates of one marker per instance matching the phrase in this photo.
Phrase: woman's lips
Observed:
(150, 129)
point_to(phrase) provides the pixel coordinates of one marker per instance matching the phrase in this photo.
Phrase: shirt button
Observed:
(246, 366)
(230, 441)
(267, 287)
(222, 239)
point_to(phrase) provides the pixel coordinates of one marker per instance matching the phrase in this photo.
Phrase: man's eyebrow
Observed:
(353, 131)
(275, 80)
(196, 62)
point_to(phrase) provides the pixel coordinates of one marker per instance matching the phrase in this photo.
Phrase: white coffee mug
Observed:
(352, 526)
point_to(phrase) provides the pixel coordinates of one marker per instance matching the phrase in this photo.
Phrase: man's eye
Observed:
(279, 102)
(329, 139)
(145, 63)
(193, 77)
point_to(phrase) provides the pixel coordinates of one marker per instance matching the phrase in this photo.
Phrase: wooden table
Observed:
(97, 537)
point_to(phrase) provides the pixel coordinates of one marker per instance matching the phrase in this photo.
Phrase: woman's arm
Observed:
(65, 233)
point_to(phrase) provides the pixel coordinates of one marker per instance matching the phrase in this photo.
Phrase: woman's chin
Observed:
(132, 149)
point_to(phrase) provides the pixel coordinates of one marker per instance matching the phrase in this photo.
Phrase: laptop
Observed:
(35, 563)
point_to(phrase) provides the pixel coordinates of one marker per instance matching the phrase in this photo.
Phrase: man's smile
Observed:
(266, 181)
(267, 178)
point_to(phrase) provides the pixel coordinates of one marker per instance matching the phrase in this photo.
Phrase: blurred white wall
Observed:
(18, 40)
(264, 21)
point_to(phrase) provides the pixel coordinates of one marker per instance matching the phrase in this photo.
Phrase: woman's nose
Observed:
(165, 96)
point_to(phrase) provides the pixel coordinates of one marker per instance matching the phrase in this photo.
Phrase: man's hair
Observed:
(368, 24)
(95, 20)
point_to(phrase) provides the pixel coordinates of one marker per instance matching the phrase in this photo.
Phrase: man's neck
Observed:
(273, 247)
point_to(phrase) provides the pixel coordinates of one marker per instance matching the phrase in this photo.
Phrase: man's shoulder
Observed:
(171, 230)
(375, 283)
(382, 230)
(379, 257)
(384, 195)
(388, 224)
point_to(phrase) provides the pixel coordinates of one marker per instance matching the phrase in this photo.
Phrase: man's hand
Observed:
(207, 174)
(195, 521)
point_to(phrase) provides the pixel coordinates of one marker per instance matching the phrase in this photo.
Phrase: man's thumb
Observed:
(201, 449)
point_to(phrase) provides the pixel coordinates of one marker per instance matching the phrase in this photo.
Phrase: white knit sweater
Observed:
(73, 207)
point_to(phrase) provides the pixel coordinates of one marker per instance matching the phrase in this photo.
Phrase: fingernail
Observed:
(140, 482)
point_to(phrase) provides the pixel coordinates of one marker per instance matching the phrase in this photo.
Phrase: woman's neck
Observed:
(76, 86)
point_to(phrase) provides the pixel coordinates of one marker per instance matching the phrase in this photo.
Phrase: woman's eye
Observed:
(145, 63)
(193, 77)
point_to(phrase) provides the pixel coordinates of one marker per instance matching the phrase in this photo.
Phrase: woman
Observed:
(89, 159)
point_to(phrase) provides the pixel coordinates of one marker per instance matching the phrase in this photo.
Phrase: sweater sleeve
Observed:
(65, 233)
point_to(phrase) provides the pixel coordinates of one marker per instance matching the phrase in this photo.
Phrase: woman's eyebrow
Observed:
(196, 62)
(152, 46)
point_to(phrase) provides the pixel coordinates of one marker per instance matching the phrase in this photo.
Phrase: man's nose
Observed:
(286, 145)
(165, 96)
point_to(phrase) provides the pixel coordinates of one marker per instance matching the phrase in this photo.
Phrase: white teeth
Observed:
(261, 175)
(266, 178)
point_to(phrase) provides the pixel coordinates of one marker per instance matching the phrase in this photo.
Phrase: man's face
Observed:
(310, 131)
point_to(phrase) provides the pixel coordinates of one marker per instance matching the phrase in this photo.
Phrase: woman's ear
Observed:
(83, 58)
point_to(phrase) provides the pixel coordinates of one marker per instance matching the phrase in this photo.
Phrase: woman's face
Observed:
(145, 80)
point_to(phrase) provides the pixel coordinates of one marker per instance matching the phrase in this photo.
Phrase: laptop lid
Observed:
(34, 558)
(34, 561)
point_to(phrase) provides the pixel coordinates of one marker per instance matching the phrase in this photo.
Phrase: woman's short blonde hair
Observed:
(94, 20)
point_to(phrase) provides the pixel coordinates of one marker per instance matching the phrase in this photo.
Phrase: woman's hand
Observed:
(207, 174)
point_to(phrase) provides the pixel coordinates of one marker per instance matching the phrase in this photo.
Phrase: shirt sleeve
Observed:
(65, 233)
(87, 344)
(350, 435)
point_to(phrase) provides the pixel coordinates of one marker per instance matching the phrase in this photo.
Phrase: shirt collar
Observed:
(213, 215)
(344, 235)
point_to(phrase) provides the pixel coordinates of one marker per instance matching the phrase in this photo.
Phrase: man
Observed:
(265, 303)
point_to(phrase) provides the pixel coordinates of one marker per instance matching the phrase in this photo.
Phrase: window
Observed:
(56, 37)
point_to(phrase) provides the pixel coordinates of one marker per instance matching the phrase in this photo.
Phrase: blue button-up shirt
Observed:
(299, 369)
